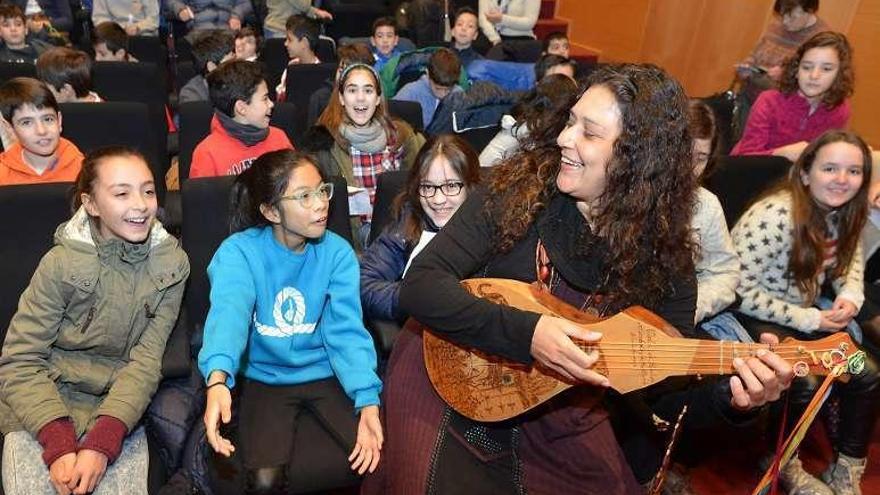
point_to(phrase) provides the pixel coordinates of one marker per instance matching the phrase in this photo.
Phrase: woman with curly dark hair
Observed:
(540, 113)
(600, 217)
(811, 99)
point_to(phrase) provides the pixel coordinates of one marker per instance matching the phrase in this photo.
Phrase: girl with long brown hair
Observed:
(801, 241)
(600, 215)
(357, 139)
(445, 172)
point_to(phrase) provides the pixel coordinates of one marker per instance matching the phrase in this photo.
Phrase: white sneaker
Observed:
(845, 475)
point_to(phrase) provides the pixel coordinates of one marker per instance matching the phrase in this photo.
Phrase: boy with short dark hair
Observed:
(110, 42)
(17, 47)
(40, 154)
(557, 43)
(68, 74)
(240, 130)
(554, 64)
(383, 43)
(209, 50)
(444, 69)
(247, 44)
(465, 29)
(301, 43)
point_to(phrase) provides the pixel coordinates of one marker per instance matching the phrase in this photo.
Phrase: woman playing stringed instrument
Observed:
(800, 241)
(606, 221)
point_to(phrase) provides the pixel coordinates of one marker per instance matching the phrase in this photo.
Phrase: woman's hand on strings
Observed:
(365, 456)
(760, 379)
(552, 347)
(218, 408)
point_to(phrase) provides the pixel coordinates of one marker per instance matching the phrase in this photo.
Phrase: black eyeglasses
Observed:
(307, 198)
(448, 189)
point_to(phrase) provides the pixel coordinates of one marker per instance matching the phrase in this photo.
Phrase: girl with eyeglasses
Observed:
(445, 170)
(286, 315)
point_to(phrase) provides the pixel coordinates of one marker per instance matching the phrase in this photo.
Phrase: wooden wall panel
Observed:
(669, 44)
(613, 27)
(864, 35)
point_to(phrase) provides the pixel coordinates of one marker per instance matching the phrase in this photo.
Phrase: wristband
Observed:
(214, 385)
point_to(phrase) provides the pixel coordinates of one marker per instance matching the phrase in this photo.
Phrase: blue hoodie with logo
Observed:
(285, 318)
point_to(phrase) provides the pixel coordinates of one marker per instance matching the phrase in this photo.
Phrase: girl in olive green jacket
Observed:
(82, 356)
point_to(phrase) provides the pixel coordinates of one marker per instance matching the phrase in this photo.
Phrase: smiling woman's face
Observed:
(587, 144)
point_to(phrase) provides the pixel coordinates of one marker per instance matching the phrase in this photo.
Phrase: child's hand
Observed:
(830, 321)
(88, 471)
(218, 408)
(365, 456)
(60, 472)
(845, 308)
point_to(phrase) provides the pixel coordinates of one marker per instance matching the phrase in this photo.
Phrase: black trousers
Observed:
(277, 428)
(860, 396)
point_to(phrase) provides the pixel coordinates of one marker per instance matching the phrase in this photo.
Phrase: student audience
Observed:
(209, 50)
(110, 42)
(68, 74)
(428, 91)
(248, 44)
(282, 282)
(202, 15)
(800, 244)
(812, 98)
(502, 20)
(18, 45)
(137, 17)
(384, 40)
(465, 30)
(39, 153)
(355, 53)
(301, 43)
(279, 11)
(556, 43)
(357, 139)
(444, 171)
(46, 16)
(240, 130)
(542, 111)
(83, 353)
(554, 64)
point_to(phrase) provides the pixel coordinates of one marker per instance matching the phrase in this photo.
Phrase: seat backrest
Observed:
(195, 125)
(410, 111)
(148, 49)
(304, 79)
(479, 137)
(738, 180)
(389, 185)
(30, 215)
(206, 223)
(274, 57)
(326, 50)
(142, 82)
(93, 125)
(10, 70)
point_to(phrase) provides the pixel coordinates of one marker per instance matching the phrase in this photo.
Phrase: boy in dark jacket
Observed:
(17, 46)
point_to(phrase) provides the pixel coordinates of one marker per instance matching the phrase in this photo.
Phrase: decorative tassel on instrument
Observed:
(854, 365)
(660, 478)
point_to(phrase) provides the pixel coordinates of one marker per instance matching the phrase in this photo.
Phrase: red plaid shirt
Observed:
(366, 167)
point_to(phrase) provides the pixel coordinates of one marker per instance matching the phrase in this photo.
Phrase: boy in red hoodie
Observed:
(40, 153)
(240, 130)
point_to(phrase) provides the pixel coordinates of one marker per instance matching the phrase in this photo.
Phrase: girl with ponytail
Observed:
(285, 325)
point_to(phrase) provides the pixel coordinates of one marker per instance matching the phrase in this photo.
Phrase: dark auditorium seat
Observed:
(195, 125)
(389, 185)
(738, 180)
(410, 111)
(11, 70)
(148, 49)
(91, 125)
(479, 137)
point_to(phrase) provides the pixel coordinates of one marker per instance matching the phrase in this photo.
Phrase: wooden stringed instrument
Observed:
(637, 349)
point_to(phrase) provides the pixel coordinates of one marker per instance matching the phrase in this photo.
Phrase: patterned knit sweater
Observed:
(763, 238)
